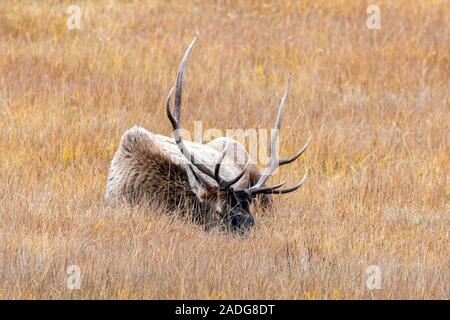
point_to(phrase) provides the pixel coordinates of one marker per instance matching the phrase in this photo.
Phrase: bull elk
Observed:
(202, 179)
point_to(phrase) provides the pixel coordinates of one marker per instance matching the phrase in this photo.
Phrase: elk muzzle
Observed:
(241, 222)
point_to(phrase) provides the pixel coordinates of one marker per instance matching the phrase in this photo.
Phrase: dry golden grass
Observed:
(375, 101)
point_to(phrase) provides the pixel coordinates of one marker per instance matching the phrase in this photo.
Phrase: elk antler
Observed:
(274, 161)
(175, 121)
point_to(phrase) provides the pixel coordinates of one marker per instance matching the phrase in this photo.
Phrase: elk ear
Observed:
(199, 187)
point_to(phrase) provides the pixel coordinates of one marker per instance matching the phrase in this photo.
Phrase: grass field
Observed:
(376, 103)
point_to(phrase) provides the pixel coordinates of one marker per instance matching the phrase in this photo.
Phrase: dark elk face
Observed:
(235, 210)
(232, 206)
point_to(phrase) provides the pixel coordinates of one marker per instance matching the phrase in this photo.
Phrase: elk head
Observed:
(215, 193)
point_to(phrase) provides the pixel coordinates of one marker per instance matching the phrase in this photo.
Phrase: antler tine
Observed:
(224, 184)
(180, 78)
(266, 189)
(219, 162)
(272, 190)
(207, 183)
(297, 155)
(173, 121)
